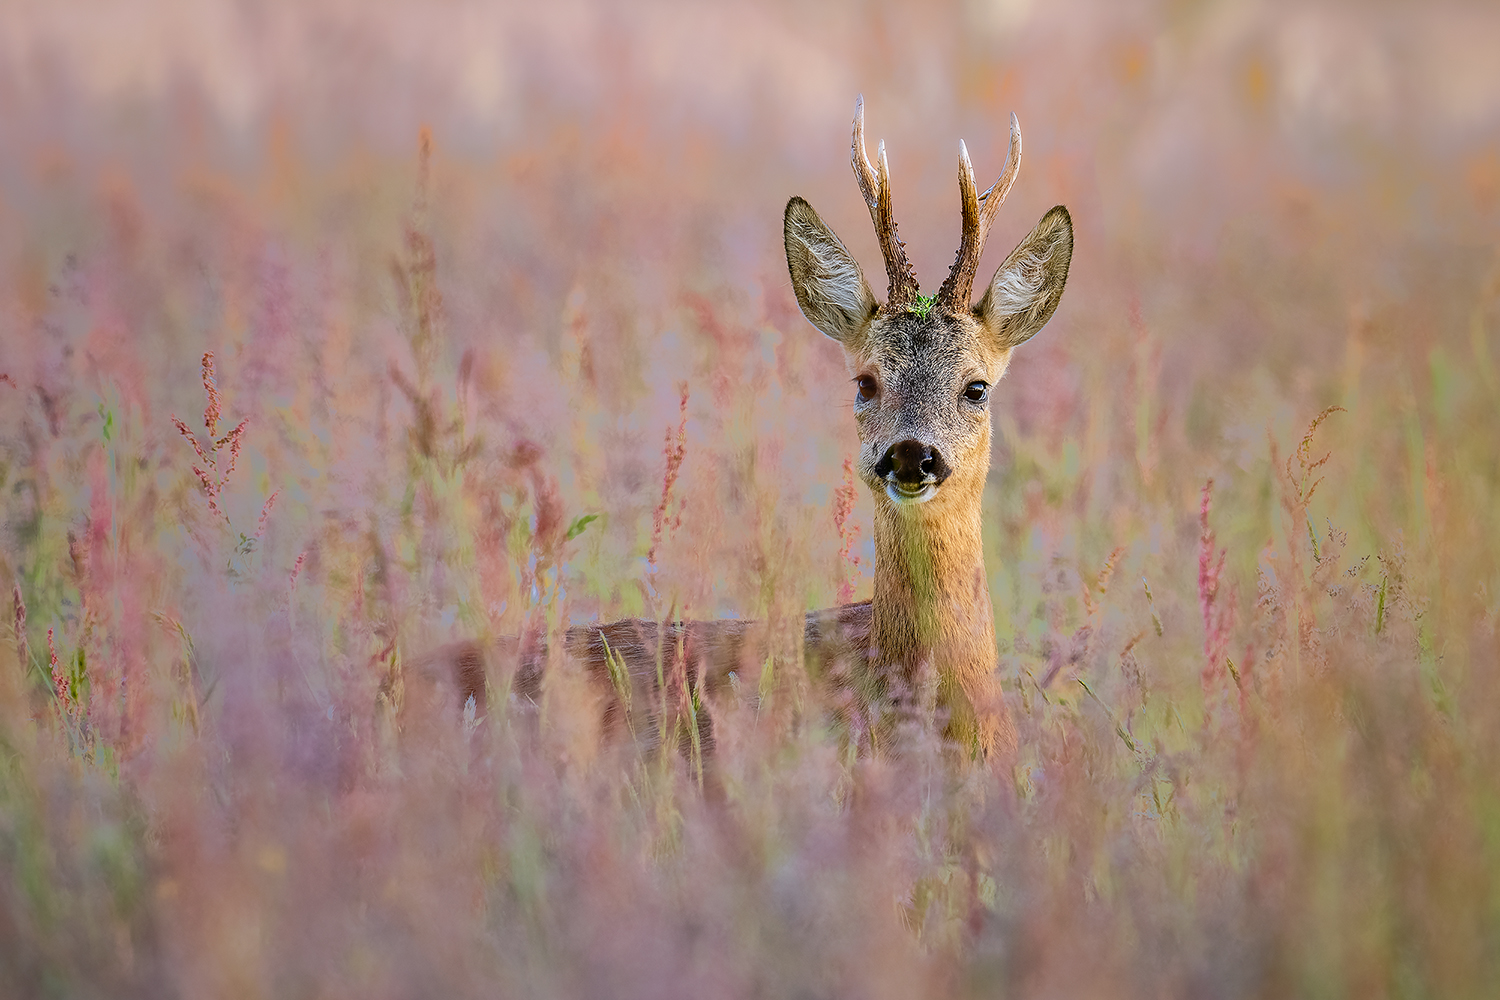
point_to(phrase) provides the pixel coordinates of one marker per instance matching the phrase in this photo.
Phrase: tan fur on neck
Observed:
(932, 627)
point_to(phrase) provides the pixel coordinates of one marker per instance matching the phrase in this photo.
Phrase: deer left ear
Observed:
(831, 290)
(1026, 289)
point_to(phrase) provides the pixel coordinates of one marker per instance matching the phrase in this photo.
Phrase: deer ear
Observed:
(1026, 289)
(831, 289)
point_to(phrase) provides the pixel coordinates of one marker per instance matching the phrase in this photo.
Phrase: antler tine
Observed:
(995, 196)
(863, 171)
(876, 188)
(979, 212)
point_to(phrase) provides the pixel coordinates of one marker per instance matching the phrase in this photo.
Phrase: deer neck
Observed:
(931, 614)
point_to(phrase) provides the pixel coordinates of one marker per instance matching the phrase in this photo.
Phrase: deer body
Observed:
(923, 367)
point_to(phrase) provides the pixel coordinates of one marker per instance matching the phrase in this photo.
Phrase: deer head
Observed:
(923, 366)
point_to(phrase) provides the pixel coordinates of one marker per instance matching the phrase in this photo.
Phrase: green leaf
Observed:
(577, 527)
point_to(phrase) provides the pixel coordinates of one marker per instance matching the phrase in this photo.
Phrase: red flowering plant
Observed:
(216, 465)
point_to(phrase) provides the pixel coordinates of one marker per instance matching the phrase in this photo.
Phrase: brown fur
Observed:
(700, 654)
(932, 629)
(926, 642)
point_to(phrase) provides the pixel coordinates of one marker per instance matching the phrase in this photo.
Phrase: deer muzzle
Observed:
(912, 471)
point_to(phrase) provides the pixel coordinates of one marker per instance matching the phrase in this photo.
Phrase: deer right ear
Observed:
(831, 289)
(1026, 289)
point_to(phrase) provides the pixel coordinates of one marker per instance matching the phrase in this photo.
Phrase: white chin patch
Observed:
(901, 496)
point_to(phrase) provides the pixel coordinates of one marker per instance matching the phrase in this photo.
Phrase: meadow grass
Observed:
(470, 370)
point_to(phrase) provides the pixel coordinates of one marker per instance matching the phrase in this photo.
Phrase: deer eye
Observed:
(977, 392)
(868, 388)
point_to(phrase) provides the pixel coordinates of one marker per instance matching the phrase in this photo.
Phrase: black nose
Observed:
(912, 464)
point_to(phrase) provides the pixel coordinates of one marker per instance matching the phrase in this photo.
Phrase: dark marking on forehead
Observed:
(909, 337)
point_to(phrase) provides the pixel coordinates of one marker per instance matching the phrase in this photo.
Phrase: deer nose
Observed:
(912, 463)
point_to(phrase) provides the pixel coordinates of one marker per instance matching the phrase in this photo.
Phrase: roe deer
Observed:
(923, 367)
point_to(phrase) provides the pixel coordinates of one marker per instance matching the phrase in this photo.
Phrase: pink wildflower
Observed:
(674, 451)
(1218, 618)
(211, 389)
(843, 508)
(59, 676)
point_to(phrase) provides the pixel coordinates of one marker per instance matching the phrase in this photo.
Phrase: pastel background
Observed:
(472, 274)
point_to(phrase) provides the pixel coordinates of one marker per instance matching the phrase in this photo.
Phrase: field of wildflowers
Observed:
(333, 333)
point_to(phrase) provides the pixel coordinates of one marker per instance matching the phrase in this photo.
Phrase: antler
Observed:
(877, 191)
(979, 211)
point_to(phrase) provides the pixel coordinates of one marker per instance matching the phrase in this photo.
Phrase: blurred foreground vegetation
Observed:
(471, 325)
